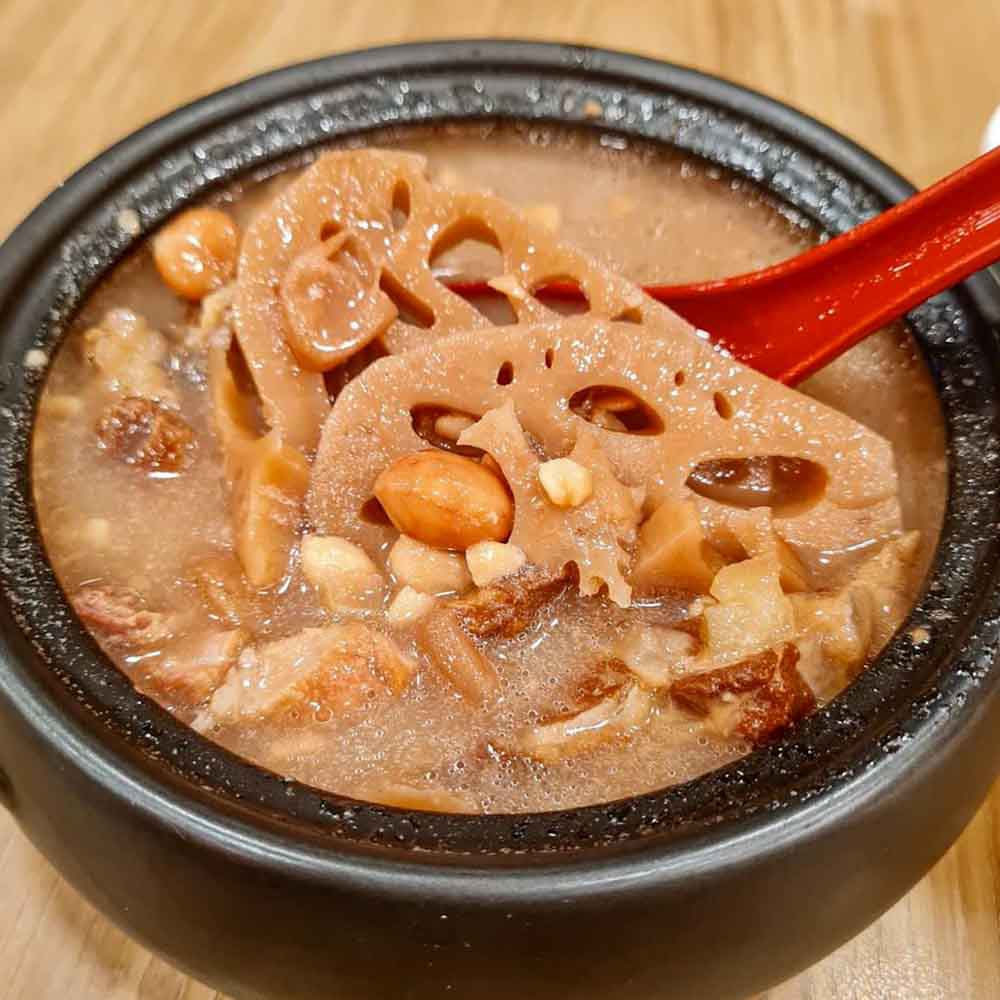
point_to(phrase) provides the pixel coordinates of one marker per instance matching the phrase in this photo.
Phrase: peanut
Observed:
(408, 606)
(429, 570)
(566, 483)
(444, 500)
(196, 253)
(491, 561)
(450, 425)
(491, 464)
(342, 572)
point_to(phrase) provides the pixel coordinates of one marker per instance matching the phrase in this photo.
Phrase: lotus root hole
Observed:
(412, 310)
(631, 315)
(372, 512)
(506, 374)
(328, 230)
(550, 357)
(722, 406)
(616, 409)
(467, 248)
(495, 308)
(427, 423)
(562, 294)
(400, 210)
(786, 485)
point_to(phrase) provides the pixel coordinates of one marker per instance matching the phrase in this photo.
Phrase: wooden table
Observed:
(913, 80)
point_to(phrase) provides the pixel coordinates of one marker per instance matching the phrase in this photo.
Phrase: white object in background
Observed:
(991, 137)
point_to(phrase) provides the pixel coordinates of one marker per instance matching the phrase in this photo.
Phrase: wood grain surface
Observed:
(913, 80)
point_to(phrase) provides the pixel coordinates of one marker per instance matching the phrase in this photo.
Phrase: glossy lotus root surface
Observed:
(491, 555)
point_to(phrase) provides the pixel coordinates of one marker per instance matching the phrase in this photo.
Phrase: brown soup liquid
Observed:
(653, 216)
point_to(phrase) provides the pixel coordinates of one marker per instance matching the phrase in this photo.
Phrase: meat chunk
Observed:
(656, 654)
(616, 709)
(511, 605)
(145, 433)
(195, 666)
(605, 677)
(842, 623)
(129, 355)
(119, 616)
(756, 698)
(456, 657)
(316, 673)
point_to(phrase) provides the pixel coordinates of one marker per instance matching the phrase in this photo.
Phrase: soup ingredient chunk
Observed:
(333, 303)
(657, 654)
(509, 606)
(429, 570)
(120, 617)
(492, 561)
(456, 657)
(673, 550)
(615, 708)
(343, 573)
(529, 420)
(315, 674)
(129, 356)
(752, 610)
(444, 500)
(196, 252)
(194, 666)
(223, 589)
(144, 433)
(594, 536)
(756, 698)
(566, 483)
(267, 478)
(400, 795)
(408, 607)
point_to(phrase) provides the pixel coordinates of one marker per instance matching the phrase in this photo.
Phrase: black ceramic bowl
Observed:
(716, 888)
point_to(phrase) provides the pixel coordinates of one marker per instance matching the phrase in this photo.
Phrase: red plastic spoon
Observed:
(791, 319)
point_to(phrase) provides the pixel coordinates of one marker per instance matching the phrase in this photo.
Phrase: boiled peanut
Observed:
(342, 572)
(196, 253)
(445, 500)
(492, 561)
(429, 570)
(566, 483)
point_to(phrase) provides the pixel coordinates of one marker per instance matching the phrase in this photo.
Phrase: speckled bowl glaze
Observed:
(265, 887)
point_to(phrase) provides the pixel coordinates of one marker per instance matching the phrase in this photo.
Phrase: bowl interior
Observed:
(51, 263)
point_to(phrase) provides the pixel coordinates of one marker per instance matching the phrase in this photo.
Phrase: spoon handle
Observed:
(791, 319)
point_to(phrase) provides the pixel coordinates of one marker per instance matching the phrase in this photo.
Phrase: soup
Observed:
(539, 551)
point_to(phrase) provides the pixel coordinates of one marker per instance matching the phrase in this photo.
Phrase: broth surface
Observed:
(650, 215)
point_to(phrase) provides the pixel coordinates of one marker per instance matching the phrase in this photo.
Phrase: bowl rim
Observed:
(249, 829)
